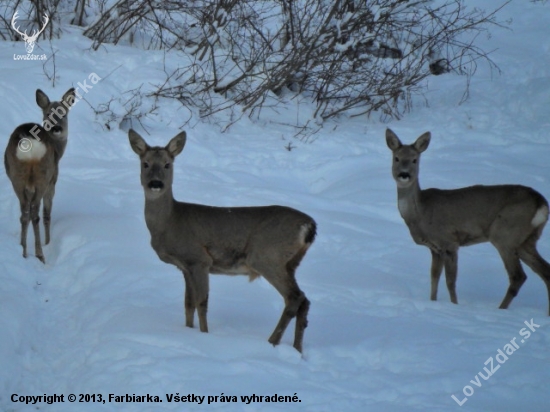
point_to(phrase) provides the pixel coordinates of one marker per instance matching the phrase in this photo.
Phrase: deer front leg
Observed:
(435, 272)
(194, 287)
(196, 280)
(189, 304)
(451, 267)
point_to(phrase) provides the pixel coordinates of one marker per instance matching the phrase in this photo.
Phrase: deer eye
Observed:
(145, 165)
(167, 166)
(396, 159)
(414, 161)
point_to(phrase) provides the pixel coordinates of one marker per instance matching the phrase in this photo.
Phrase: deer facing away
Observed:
(510, 217)
(268, 241)
(31, 160)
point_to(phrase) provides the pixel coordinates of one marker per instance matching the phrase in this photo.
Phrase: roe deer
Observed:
(510, 217)
(268, 241)
(31, 160)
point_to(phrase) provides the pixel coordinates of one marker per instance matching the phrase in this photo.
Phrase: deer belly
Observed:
(228, 262)
(467, 239)
(235, 270)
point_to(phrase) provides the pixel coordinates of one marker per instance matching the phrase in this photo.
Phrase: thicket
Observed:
(346, 56)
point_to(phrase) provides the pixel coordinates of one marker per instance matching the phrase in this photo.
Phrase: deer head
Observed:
(29, 40)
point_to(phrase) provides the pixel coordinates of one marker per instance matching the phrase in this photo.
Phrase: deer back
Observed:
(229, 235)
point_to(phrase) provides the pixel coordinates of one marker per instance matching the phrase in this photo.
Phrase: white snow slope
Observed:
(105, 315)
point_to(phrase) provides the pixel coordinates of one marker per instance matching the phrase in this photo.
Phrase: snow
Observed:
(105, 315)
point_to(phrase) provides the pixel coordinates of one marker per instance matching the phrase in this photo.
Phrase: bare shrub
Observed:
(241, 56)
(345, 55)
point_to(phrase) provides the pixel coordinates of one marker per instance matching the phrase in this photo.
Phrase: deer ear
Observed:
(137, 143)
(69, 97)
(392, 140)
(422, 142)
(175, 146)
(42, 100)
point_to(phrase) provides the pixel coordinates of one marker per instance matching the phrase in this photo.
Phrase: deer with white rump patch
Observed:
(268, 241)
(510, 217)
(31, 160)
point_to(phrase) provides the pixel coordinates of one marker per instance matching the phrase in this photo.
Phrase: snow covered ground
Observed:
(105, 315)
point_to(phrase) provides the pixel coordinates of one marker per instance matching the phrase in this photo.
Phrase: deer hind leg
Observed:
(25, 205)
(47, 211)
(516, 274)
(296, 303)
(528, 253)
(435, 272)
(35, 218)
(301, 324)
(303, 309)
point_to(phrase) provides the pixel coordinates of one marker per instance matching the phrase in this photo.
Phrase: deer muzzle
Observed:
(404, 176)
(156, 185)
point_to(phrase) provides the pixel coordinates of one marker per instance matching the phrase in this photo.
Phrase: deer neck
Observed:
(158, 211)
(59, 140)
(60, 146)
(408, 202)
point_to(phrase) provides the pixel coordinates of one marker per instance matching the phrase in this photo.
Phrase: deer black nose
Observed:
(156, 185)
(404, 176)
(57, 129)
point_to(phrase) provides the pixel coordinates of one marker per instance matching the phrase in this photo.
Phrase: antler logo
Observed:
(29, 40)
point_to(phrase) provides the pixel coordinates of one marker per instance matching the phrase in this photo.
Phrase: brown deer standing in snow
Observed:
(510, 217)
(267, 241)
(31, 160)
